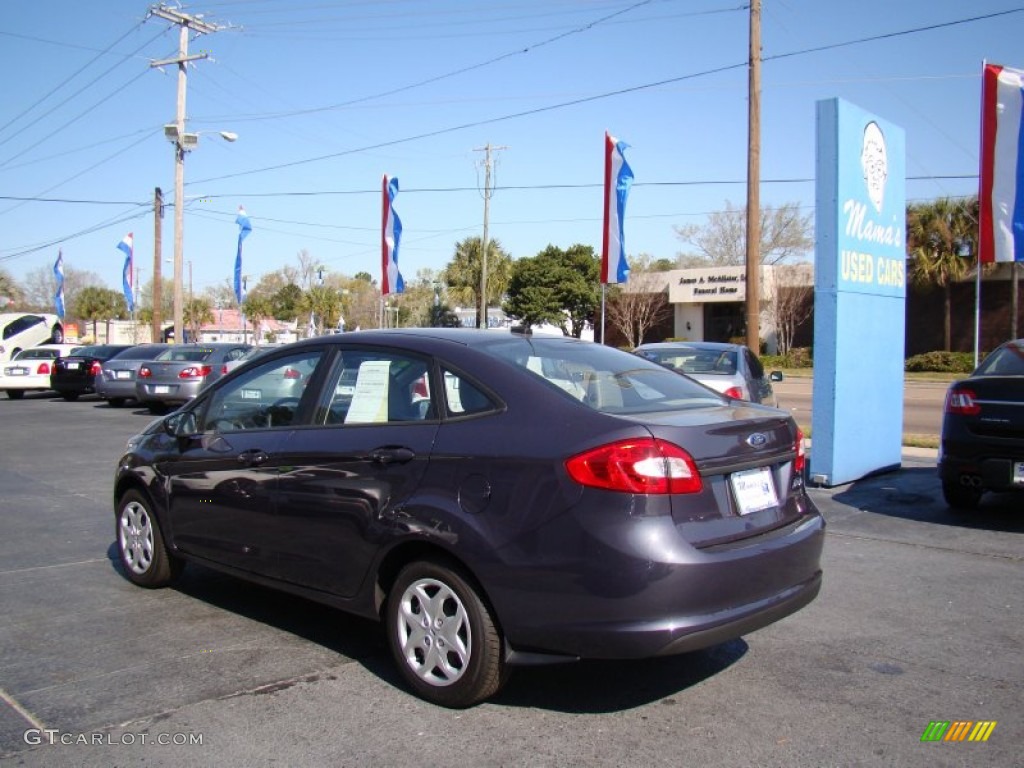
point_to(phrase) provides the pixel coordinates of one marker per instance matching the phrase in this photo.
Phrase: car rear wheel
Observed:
(69, 396)
(144, 556)
(959, 496)
(443, 636)
(15, 394)
(116, 402)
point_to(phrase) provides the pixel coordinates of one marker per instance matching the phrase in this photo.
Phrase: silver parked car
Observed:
(115, 382)
(731, 369)
(176, 375)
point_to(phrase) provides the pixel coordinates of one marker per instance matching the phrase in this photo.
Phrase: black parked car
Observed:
(982, 446)
(74, 375)
(494, 498)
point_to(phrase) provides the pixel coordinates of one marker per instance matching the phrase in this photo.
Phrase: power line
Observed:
(592, 98)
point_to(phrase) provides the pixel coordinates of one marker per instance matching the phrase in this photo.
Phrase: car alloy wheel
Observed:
(141, 546)
(443, 637)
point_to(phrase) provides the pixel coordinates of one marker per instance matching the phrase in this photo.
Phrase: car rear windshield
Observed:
(100, 350)
(140, 353)
(605, 379)
(1005, 361)
(37, 354)
(185, 354)
(693, 360)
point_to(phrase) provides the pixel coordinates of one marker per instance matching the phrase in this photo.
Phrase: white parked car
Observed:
(30, 369)
(21, 330)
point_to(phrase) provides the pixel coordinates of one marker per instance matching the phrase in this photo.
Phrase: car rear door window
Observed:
(378, 387)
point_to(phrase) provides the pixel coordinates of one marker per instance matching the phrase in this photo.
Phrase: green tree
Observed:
(196, 312)
(324, 302)
(462, 275)
(556, 286)
(942, 243)
(93, 304)
(257, 307)
(286, 302)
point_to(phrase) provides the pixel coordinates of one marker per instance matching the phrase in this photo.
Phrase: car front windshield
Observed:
(603, 378)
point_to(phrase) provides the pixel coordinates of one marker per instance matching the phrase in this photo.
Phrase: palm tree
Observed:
(942, 243)
(462, 275)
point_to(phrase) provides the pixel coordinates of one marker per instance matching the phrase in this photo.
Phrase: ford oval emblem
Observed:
(757, 440)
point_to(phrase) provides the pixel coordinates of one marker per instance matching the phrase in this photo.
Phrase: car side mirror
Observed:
(775, 376)
(181, 424)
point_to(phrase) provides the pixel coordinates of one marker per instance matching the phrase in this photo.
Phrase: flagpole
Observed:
(603, 289)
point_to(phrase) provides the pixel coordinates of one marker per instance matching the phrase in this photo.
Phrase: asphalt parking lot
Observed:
(918, 621)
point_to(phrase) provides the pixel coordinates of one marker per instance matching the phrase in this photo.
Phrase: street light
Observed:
(183, 142)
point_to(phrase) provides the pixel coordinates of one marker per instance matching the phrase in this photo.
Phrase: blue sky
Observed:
(327, 96)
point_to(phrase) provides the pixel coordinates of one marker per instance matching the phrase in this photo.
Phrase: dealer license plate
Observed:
(252, 394)
(161, 389)
(754, 490)
(71, 366)
(1018, 473)
(122, 374)
(17, 371)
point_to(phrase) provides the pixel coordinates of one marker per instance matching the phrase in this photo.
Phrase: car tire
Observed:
(57, 335)
(140, 544)
(960, 496)
(116, 402)
(443, 636)
(69, 396)
(15, 394)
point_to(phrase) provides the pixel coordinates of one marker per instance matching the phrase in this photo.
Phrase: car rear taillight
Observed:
(224, 369)
(95, 368)
(801, 453)
(962, 401)
(734, 392)
(145, 372)
(43, 369)
(195, 372)
(645, 465)
(291, 373)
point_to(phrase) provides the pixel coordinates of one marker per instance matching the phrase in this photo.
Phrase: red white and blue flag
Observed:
(1001, 188)
(127, 245)
(391, 235)
(618, 178)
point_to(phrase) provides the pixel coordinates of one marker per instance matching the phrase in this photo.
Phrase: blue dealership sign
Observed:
(859, 294)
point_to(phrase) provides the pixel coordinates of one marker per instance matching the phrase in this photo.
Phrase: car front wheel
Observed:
(443, 636)
(144, 556)
(959, 496)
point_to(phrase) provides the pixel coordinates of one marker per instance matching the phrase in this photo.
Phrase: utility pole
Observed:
(754, 183)
(487, 149)
(185, 22)
(158, 296)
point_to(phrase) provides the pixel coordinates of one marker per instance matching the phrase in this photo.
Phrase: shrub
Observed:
(941, 362)
(798, 357)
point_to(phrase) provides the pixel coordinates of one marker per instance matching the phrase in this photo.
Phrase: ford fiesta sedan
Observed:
(495, 499)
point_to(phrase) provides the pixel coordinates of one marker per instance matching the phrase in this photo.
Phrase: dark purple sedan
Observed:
(495, 499)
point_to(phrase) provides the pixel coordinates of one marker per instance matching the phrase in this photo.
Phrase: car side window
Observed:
(463, 398)
(378, 387)
(267, 397)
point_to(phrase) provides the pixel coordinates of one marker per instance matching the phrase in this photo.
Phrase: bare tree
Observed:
(641, 304)
(791, 303)
(786, 235)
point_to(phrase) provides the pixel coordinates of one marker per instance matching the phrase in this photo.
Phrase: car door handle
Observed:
(252, 458)
(391, 455)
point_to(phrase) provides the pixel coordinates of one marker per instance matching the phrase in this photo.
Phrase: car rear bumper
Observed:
(618, 604)
(991, 473)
